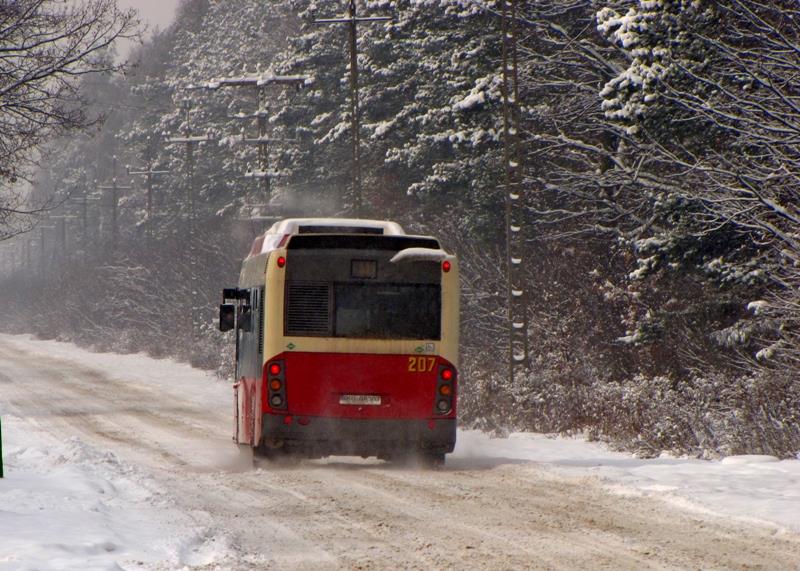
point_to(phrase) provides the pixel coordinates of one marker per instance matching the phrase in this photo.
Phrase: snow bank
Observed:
(759, 489)
(67, 505)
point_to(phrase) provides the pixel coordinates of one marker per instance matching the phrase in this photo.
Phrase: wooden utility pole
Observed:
(189, 140)
(352, 20)
(114, 203)
(61, 224)
(517, 311)
(8, 260)
(29, 243)
(43, 249)
(21, 255)
(11, 259)
(148, 172)
(25, 254)
(83, 205)
(260, 82)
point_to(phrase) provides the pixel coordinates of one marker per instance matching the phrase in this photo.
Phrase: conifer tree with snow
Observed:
(707, 89)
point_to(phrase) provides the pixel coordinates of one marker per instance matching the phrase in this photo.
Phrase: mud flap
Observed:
(236, 412)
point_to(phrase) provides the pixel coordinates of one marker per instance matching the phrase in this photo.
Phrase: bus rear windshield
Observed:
(366, 311)
(386, 311)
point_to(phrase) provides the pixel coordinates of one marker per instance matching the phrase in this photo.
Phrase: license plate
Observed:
(360, 399)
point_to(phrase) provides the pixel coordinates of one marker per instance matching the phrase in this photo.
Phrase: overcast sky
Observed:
(156, 13)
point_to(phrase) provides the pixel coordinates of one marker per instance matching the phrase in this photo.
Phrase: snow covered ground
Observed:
(68, 504)
(758, 489)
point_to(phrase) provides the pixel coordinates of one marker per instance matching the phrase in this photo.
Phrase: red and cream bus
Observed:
(346, 341)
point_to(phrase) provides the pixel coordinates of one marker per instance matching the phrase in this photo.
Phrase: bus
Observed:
(346, 342)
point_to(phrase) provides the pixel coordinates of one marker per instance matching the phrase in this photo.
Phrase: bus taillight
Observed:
(445, 390)
(281, 261)
(276, 385)
(446, 266)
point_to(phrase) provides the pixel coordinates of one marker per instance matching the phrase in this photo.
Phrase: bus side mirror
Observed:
(227, 316)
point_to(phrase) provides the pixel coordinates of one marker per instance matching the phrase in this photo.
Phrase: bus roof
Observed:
(280, 231)
(336, 226)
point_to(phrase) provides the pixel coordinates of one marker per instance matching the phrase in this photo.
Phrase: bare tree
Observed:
(46, 47)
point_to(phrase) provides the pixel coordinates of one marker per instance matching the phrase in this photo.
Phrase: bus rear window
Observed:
(387, 311)
(364, 310)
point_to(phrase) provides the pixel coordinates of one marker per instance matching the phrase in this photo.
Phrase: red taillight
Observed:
(446, 266)
(275, 385)
(281, 261)
(445, 390)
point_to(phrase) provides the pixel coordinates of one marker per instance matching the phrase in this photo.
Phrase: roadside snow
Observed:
(66, 505)
(759, 489)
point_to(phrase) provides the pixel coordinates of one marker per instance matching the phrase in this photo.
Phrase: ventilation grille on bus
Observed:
(308, 308)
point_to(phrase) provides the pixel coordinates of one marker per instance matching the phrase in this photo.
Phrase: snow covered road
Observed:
(125, 462)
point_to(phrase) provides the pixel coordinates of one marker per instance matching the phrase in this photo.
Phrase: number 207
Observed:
(421, 364)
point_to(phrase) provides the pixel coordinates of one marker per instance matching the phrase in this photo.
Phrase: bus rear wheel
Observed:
(432, 459)
(276, 452)
(419, 459)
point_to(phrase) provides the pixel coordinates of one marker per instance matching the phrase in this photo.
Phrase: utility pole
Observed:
(517, 311)
(23, 255)
(61, 224)
(12, 258)
(263, 141)
(42, 248)
(114, 205)
(83, 205)
(148, 172)
(8, 261)
(352, 20)
(189, 141)
(29, 254)
(260, 82)
(19, 255)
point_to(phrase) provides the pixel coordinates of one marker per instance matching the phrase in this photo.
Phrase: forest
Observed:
(652, 148)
